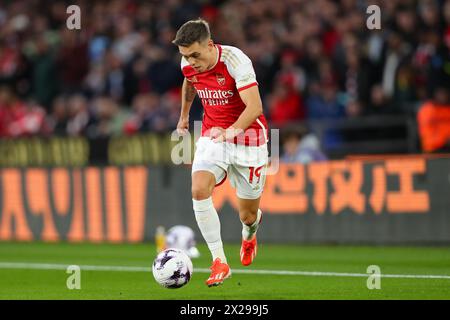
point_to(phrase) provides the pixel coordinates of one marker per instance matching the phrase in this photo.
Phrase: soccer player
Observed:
(233, 141)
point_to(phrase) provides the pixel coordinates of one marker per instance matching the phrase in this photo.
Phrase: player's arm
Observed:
(188, 93)
(253, 109)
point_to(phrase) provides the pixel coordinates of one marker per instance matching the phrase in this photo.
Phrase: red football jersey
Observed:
(218, 89)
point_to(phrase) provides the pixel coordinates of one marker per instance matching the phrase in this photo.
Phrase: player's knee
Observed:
(200, 192)
(202, 185)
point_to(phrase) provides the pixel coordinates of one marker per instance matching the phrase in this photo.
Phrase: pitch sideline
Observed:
(54, 266)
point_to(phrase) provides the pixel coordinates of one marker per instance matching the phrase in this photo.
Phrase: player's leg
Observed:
(249, 184)
(203, 183)
(250, 216)
(209, 168)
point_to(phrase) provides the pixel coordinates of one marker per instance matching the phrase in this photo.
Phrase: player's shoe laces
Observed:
(248, 251)
(219, 272)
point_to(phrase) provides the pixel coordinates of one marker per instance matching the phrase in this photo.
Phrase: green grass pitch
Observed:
(25, 283)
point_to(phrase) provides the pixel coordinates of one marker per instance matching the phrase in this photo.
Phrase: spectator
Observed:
(285, 104)
(149, 114)
(434, 122)
(17, 118)
(406, 24)
(301, 147)
(72, 60)
(45, 85)
(108, 118)
(439, 72)
(379, 103)
(395, 55)
(14, 68)
(127, 40)
(323, 103)
(424, 54)
(356, 78)
(137, 78)
(79, 117)
(291, 72)
(58, 119)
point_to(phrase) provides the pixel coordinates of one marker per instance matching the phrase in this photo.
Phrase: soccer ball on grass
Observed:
(172, 268)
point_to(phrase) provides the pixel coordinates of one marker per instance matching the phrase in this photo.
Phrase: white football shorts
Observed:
(244, 165)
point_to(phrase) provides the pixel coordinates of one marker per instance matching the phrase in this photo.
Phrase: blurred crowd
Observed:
(120, 73)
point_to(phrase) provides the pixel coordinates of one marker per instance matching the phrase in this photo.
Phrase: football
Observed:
(172, 268)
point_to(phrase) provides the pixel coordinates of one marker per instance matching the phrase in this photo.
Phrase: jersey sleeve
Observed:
(183, 63)
(240, 68)
(186, 69)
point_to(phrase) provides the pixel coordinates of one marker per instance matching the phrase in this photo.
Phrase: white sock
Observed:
(209, 224)
(249, 231)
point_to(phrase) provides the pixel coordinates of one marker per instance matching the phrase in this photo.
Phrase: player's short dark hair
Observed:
(191, 32)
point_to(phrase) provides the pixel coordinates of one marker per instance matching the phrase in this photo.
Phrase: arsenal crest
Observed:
(193, 79)
(220, 79)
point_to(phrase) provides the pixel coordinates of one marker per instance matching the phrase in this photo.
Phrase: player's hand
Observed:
(183, 126)
(220, 134)
(216, 133)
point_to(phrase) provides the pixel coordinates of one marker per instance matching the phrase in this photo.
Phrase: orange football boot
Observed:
(249, 249)
(219, 272)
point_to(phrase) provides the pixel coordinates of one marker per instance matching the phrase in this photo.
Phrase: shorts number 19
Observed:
(255, 172)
